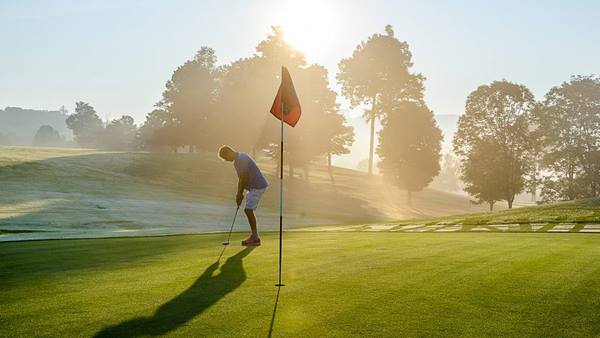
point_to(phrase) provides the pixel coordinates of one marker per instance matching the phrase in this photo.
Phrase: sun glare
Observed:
(309, 26)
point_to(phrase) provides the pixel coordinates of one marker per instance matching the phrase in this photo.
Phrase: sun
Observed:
(309, 26)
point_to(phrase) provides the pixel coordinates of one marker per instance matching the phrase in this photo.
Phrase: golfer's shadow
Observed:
(204, 293)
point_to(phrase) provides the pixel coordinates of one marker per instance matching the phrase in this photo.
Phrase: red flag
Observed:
(286, 95)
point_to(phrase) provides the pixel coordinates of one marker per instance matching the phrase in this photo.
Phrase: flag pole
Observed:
(280, 195)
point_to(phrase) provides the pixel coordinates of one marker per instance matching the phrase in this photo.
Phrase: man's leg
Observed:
(252, 222)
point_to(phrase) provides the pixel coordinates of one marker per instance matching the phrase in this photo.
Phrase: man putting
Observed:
(249, 178)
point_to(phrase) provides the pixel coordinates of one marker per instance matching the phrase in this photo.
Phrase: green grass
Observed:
(338, 284)
(87, 193)
(579, 211)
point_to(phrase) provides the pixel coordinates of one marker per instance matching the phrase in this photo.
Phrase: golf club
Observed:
(232, 223)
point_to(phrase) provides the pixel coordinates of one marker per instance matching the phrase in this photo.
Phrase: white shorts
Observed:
(253, 197)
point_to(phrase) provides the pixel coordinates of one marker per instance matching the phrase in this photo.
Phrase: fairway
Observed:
(337, 284)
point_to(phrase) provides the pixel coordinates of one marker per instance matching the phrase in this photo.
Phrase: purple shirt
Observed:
(243, 163)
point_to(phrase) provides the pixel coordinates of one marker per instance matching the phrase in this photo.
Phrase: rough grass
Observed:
(337, 285)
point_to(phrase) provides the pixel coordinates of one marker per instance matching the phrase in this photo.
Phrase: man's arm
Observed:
(242, 183)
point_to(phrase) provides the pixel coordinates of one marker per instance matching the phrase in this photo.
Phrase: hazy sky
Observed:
(117, 55)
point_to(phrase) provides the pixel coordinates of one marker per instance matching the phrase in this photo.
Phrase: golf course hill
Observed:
(71, 193)
(573, 216)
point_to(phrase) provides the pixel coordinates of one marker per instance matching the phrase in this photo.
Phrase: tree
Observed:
(85, 124)
(322, 127)
(409, 146)
(497, 118)
(378, 74)
(568, 121)
(245, 95)
(47, 136)
(189, 97)
(449, 177)
(158, 131)
(483, 173)
(120, 134)
(248, 87)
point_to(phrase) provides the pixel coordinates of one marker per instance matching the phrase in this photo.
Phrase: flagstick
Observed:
(280, 195)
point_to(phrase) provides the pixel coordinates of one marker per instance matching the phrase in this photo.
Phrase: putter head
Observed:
(225, 243)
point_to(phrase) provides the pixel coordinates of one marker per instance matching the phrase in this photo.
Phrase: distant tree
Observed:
(86, 125)
(568, 120)
(159, 131)
(483, 173)
(20, 125)
(534, 177)
(497, 118)
(47, 136)
(119, 134)
(378, 74)
(190, 96)
(409, 146)
(449, 177)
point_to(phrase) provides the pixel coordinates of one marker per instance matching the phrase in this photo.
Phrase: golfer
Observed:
(251, 179)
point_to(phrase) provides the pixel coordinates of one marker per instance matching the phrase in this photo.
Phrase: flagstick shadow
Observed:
(274, 312)
(205, 292)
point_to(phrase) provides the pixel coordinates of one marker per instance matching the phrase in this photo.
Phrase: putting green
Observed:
(338, 284)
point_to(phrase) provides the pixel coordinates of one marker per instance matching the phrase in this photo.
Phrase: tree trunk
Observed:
(491, 206)
(372, 143)
(329, 168)
(191, 148)
(510, 202)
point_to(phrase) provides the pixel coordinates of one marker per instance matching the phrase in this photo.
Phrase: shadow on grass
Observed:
(205, 292)
(274, 313)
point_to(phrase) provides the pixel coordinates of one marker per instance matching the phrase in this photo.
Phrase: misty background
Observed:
(117, 55)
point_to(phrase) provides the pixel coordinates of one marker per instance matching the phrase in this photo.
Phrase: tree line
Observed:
(508, 143)
(204, 105)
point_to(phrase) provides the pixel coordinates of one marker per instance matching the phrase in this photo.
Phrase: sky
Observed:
(117, 55)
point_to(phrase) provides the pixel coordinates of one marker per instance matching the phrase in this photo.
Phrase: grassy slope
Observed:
(93, 193)
(580, 213)
(574, 216)
(338, 284)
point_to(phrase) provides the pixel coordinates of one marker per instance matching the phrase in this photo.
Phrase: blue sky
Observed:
(117, 55)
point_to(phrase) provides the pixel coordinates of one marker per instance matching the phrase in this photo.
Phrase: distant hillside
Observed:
(18, 126)
(75, 193)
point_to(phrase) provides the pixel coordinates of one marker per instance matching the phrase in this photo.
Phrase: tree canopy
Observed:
(497, 118)
(205, 105)
(568, 121)
(378, 74)
(86, 125)
(409, 147)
